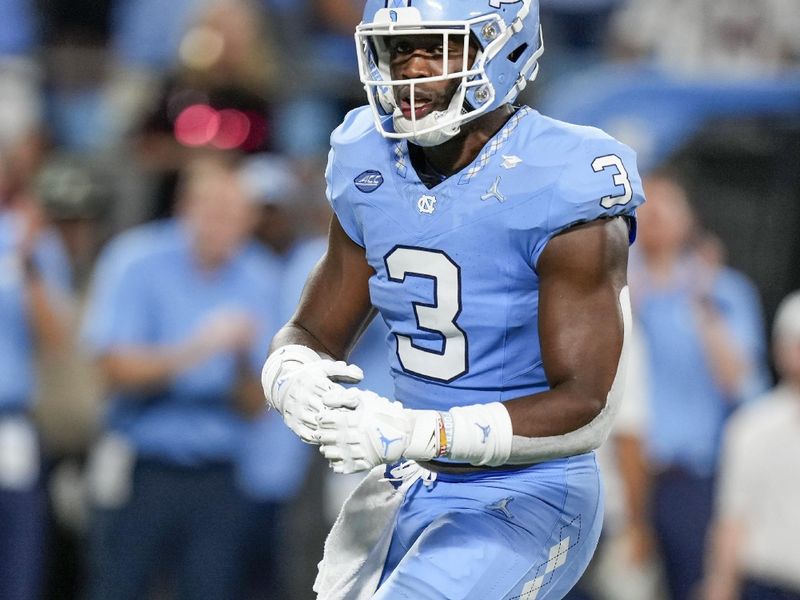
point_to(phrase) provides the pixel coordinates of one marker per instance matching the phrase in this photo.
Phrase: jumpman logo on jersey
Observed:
(486, 430)
(494, 192)
(387, 442)
(502, 506)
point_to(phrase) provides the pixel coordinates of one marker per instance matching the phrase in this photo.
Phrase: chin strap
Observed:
(430, 138)
(439, 135)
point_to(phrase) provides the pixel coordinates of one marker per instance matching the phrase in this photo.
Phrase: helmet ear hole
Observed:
(517, 52)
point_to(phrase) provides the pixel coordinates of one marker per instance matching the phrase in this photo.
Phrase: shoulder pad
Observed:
(357, 124)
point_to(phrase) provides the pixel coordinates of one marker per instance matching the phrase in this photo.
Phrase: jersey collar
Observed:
(402, 162)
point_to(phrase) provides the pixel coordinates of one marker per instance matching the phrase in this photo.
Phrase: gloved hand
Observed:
(359, 430)
(295, 378)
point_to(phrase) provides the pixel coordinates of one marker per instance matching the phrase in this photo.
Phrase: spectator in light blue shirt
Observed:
(703, 326)
(179, 318)
(34, 287)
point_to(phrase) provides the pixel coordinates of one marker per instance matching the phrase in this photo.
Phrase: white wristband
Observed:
(481, 434)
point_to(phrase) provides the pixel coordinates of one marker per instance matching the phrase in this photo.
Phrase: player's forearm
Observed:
(567, 420)
(558, 411)
(295, 334)
(335, 307)
(357, 430)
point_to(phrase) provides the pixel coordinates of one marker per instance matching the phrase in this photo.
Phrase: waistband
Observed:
(466, 468)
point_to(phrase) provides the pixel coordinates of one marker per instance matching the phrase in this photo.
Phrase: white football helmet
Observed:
(509, 41)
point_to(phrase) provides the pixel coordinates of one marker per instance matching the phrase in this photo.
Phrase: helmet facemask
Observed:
(474, 87)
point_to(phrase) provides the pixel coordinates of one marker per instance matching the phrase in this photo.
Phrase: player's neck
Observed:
(457, 153)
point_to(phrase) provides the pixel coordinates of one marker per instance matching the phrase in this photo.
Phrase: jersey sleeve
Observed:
(599, 179)
(335, 191)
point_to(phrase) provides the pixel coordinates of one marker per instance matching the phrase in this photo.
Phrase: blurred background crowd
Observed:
(162, 202)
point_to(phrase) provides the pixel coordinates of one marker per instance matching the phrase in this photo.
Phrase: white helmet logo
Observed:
(499, 3)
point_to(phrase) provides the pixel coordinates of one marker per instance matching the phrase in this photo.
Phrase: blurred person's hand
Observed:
(226, 330)
(152, 367)
(32, 222)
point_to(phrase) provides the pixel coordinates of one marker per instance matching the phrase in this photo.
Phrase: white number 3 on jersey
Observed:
(438, 317)
(620, 179)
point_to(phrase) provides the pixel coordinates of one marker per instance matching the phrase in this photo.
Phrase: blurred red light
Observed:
(197, 125)
(234, 129)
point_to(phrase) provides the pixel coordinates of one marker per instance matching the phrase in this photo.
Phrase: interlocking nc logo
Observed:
(426, 204)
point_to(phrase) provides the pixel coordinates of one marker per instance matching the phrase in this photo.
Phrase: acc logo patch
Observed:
(369, 181)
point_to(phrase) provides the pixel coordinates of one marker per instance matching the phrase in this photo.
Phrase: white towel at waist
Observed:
(357, 545)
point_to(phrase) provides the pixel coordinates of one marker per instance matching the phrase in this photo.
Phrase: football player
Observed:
(493, 241)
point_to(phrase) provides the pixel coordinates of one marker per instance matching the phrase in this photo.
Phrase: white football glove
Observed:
(295, 378)
(361, 430)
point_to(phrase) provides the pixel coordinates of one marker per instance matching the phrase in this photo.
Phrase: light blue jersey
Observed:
(456, 282)
(455, 266)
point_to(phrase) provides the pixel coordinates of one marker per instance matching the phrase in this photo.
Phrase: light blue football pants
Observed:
(526, 534)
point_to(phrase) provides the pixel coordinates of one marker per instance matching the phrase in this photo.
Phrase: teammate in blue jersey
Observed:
(493, 242)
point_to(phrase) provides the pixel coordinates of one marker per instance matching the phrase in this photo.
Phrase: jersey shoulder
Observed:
(358, 127)
(576, 149)
(570, 157)
(358, 148)
(590, 174)
(359, 159)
